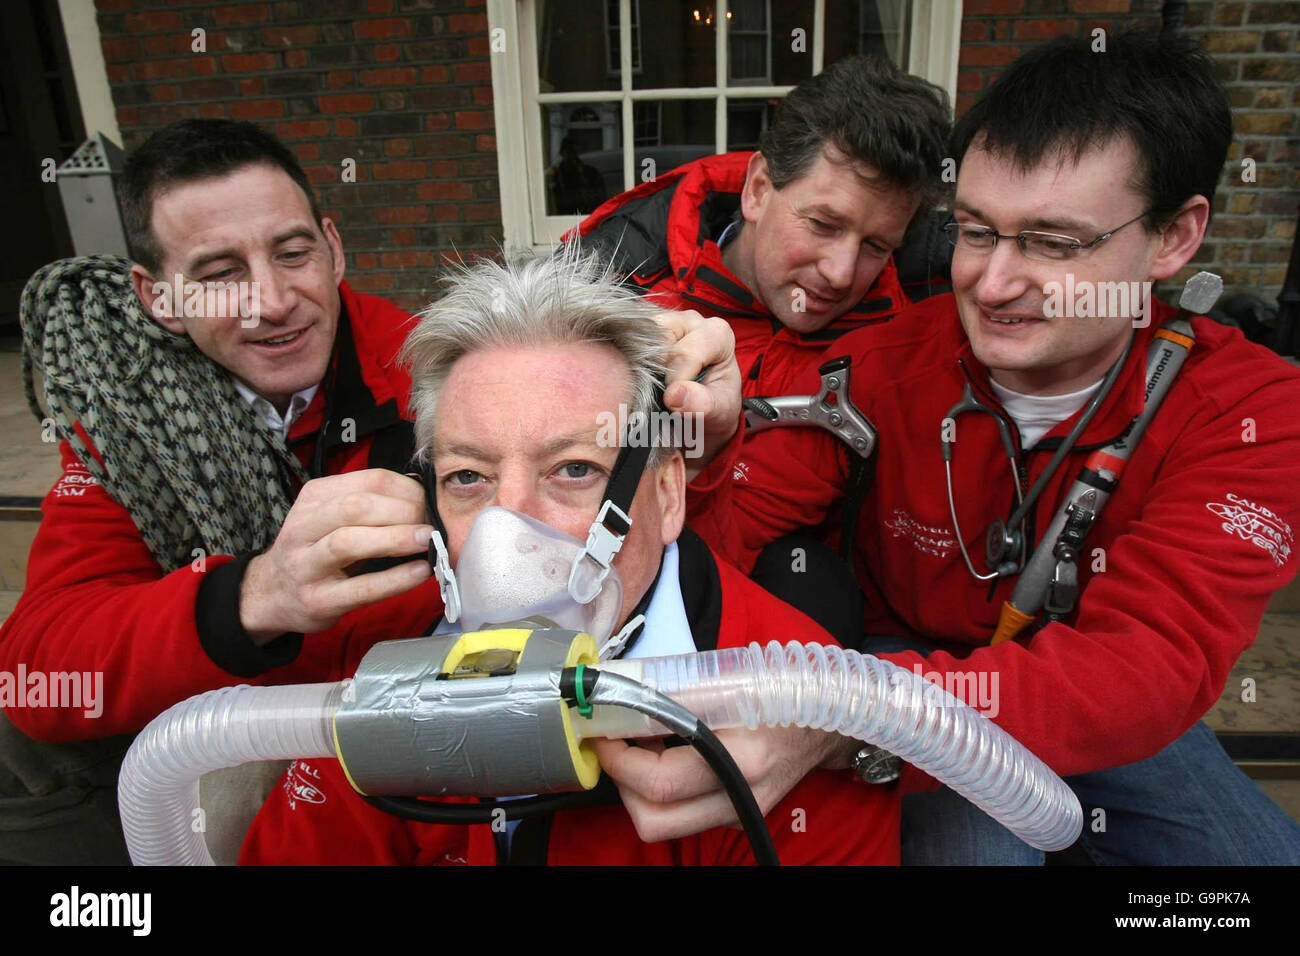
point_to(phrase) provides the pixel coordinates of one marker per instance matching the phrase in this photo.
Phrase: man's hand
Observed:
(672, 793)
(702, 344)
(302, 582)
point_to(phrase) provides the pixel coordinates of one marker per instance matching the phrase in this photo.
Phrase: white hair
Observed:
(560, 299)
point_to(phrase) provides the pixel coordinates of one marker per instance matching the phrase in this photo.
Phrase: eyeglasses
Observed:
(1039, 246)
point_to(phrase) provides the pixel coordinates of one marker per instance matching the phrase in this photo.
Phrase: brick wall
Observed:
(1256, 45)
(403, 87)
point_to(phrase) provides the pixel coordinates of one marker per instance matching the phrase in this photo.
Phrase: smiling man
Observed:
(197, 423)
(792, 244)
(1077, 167)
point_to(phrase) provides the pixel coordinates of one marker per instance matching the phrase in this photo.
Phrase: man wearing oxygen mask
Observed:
(523, 376)
(1097, 590)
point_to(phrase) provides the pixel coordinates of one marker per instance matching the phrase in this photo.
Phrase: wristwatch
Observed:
(876, 765)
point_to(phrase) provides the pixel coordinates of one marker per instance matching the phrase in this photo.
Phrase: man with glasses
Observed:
(1087, 172)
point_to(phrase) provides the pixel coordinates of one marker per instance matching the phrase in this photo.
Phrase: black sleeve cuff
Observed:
(222, 636)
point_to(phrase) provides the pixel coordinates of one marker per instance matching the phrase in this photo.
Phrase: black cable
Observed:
(464, 814)
(619, 691)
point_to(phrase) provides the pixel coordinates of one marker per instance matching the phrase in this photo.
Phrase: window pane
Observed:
(792, 41)
(680, 45)
(879, 27)
(746, 120)
(583, 146)
(577, 46)
(669, 133)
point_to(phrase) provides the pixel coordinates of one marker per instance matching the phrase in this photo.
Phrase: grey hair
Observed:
(568, 297)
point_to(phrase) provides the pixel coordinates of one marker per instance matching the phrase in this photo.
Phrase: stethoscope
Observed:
(1004, 541)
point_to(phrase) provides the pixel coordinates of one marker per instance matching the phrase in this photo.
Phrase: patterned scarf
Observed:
(182, 451)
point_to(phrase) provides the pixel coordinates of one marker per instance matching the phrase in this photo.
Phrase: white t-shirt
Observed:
(1036, 415)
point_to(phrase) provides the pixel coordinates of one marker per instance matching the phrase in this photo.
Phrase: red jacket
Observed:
(1194, 541)
(315, 817)
(663, 232)
(96, 600)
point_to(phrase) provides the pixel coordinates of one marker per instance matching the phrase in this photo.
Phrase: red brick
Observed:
(347, 103)
(467, 23)
(477, 71)
(257, 109)
(120, 48)
(339, 79)
(974, 31)
(483, 96)
(405, 260)
(396, 214)
(204, 65)
(396, 76)
(979, 8)
(152, 22)
(372, 282)
(118, 72)
(969, 81)
(303, 129)
(402, 237)
(161, 69)
(158, 45)
(251, 86)
(440, 191)
(284, 35)
(164, 94)
(128, 116)
(379, 6)
(367, 260)
(397, 147)
(320, 175)
(404, 169)
(387, 52)
(444, 169)
(1040, 29)
(446, 212)
(988, 55)
(1100, 6)
(248, 62)
(433, 74)
(345, 127)
(244, 13)
(482, 212)
(307, 152)
(381, 29)
(437, 121)
(212, 110)
(109, 5)
(485, 143)
(478, 45)
(473, 119)
(295, 59)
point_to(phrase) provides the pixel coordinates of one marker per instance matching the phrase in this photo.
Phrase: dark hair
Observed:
(873, 113)
(1158, 91)
(188, 150)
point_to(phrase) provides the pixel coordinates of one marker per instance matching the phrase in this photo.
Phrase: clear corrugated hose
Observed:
(158, 788)
(860, 696)
(805, 685)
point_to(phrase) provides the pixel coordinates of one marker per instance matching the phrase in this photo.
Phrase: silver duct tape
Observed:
(403, 732)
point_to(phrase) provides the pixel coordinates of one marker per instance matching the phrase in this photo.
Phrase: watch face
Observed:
(876, 765)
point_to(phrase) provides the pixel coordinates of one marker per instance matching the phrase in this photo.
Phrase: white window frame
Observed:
(933, 50)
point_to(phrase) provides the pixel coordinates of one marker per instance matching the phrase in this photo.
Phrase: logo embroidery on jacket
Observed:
(740, 472)
(74, 481)
(1256, 524)
(925, 538)
(300, 783)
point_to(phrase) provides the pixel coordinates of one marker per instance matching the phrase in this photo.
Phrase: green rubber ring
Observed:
(584, 708)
